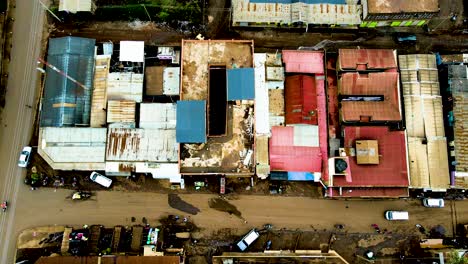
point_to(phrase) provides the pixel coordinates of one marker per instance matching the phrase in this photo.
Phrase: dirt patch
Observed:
(222, 205)
(176, 202)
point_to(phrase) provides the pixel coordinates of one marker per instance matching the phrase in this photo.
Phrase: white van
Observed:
(248, 239)
(433, 202)
(396, 215)
(100, 179)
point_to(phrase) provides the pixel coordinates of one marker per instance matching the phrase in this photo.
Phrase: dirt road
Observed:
(17, 118)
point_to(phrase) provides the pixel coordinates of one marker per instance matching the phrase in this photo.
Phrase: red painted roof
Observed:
(379, 83)
(322, 122)
(300, 100)
(391, 170)
(302, 61)
(367, 59)
(284, 156)
(369, 192)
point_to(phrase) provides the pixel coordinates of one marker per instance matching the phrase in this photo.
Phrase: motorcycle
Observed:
(81, 195)
(4, 206)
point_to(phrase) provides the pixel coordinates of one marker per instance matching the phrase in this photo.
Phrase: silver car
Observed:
(433, 202)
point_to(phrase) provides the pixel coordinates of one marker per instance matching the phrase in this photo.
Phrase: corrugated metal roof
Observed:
(392, 168)
(459, 86)
(125, 86)
(171, 80)
(70, 148)
(133, 51)
(306, 136)
(65, 103)
(99, 99)
(245, 11)
(393, 192)
(112, 260)
(191, 121)
(322, 122)
(240, 84)
(300, 61)
(402, 6)
(366, 59)
(382, 83)
(261, 95)
(133, 144)
(74, 6)
(154, 80)
(156, 115)
(284, 156)
(121, 111)
(342, 2)
(301, 100)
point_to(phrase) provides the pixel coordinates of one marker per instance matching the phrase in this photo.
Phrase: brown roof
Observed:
(109, 260)
(366, 59)
(154, 80)
(373, 84)
(402, 6)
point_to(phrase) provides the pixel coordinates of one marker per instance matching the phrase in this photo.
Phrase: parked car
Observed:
(248, 239)
(402, 38)
(24, 157)
(100, 179)
(433, 202)
(396, 215)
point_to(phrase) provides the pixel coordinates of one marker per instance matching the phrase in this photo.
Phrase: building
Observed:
(109, 260)
(371, 158)
(67, 92)
(295, 13)
(215, 114)
(74, 6)
(398, 13)
(299, 150)
(427, 144)
(283, 256)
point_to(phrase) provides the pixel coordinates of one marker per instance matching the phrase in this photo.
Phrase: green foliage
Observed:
(455, 258)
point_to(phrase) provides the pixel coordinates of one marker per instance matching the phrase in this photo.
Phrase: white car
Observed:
(100, 179)
(248, 239)
(433, 202)
(24, 157)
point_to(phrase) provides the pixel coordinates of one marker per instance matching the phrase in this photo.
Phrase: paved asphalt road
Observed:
(17, 119)
(44, 207)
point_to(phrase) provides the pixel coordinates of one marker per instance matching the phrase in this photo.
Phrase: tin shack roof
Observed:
(191, 122)
(240, 84)
(291, 150)
(459, 86)
(121, 111)
(70, 148)
(300, 61)
(383, 84)
(301, 100)
(125, 86)
(99, 99)
(134, 144)
(402, 6)
(366, 59)
(392, 168)
(66, 103)
(111, 260)
(156, 115)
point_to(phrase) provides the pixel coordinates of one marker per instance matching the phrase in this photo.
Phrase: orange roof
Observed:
(366, 59)
(373, 84)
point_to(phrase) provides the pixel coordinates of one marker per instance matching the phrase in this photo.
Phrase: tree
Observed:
(455, 257)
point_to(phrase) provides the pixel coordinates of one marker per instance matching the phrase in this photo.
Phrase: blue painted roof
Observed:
(240, 84)
(191, 122)
(339, 2)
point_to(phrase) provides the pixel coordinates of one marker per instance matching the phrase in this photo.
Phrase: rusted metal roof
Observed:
(366, 59)
(133, 144)
(373, 84)
(301, 61)
(392, 168)
(154, 80)
(285, 156)
(301, 100)
(121, 111)
(402, 6)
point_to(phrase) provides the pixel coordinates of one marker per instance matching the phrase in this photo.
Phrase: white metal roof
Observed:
(76, 148)
(171, 80)
(306, 136)
(155, 115)
(74, 6)
(261, 95)
(134, 144)
(125, 86)
(133, 51)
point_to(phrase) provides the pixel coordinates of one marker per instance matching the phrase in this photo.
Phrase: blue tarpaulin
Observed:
(293, 176)
(191, 122)
(240, 84)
